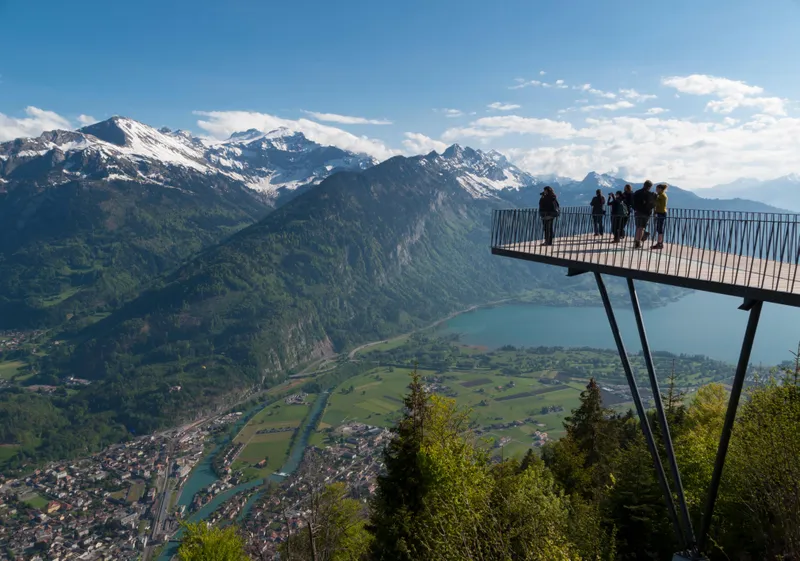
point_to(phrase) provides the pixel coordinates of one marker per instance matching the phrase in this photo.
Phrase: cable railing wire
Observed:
(750, 249)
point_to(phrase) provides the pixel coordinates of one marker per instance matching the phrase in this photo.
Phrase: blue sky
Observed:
(161, 62)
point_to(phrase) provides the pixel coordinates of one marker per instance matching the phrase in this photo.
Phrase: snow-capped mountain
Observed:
(127, 150)
(281, 159)
(482, 174)
(782, 192)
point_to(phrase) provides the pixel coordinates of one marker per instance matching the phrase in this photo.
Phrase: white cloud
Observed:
(701, 84)
(221, 124)
(488, 127)
(731, 94)
(417, 143)
(542, 73)
(86, 120)
(35, 123)
(346, 119)
(559, 84)
(498, 106)
(594, 91)
(451, 113)
(616, 106)
(524, 84)
(689, 153)
(656, 110)
(635, 96)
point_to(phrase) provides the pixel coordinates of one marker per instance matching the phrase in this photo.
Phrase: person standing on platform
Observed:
(644, 200)
(549, 210)
(598, 212)
(661, 214)
(627, 197)
(619, 215)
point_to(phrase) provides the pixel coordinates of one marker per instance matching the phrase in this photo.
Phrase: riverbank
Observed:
(291, 463)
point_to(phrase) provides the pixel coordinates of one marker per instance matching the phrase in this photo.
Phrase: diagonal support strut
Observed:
(645, 423)
(754, 307)
(662, 420)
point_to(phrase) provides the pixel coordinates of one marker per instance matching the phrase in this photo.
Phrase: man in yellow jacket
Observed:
(661, 214)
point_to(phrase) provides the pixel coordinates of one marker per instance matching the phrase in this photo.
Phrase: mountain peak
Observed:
(249, 134)
(497, 157)
(280, 132)
(456, 151)
(114, 130)
(600, 180)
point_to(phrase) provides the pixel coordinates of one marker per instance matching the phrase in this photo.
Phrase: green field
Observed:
(499, 386)
(376, 399)
(385, 345)
(60, 297)
(272, 446)
(7, 451)
(135, 492)
(10, 368)
(37, 502)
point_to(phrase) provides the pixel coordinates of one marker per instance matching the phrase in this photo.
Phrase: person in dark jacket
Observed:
(549, 210)
(644, 201)
(627, 197)
(598, 212)
(619, 214)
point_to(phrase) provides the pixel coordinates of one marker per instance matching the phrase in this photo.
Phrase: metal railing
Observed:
(742, 249)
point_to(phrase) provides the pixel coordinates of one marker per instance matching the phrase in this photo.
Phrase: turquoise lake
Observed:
(699, 323)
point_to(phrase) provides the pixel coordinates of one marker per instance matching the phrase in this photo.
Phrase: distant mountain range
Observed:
(783, 192)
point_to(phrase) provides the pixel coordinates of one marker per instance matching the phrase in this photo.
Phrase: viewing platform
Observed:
(746, 254)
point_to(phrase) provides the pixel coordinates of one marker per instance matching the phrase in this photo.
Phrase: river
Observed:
(699, 323)
(203, 474)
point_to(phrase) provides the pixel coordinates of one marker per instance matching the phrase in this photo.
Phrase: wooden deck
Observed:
(679, 265)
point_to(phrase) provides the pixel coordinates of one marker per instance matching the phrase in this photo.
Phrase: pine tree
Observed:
(674, 408)
(401, 489)
(589, 426)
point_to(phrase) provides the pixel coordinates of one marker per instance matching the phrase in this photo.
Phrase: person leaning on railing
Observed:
(627, 197)
(661, 214)
(619, 216)
(549, 210)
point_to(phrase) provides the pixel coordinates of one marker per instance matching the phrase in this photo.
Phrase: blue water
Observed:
(203, 475)
(700, 323)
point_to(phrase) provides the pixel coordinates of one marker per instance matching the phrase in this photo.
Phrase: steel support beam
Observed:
(754, 308)
(648, 432)
(691, 542)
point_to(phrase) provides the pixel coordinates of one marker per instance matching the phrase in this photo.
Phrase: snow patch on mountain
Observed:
(482, 174)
